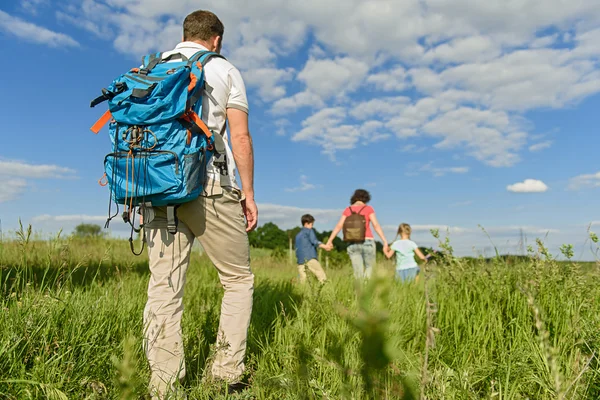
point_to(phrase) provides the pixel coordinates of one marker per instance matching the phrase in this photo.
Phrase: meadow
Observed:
(502, 328)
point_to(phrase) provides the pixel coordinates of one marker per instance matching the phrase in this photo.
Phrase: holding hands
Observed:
(327, 246)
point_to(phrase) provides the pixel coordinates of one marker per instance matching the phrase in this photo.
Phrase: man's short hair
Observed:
(202, 25)
(307, 219)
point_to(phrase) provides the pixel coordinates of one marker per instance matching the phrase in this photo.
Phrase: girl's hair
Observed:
(404, 229)
(360, 195)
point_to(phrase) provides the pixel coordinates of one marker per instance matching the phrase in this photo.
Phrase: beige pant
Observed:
(313, 266)
(218, 222)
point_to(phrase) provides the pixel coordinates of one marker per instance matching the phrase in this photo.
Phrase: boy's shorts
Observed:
(407, 275)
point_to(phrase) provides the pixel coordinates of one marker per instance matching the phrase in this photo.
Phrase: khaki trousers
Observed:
(218, 222)
(313, 266)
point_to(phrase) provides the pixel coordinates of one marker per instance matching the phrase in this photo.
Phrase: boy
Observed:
(306, 250)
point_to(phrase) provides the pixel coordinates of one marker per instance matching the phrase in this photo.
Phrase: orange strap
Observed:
(103, 120)
(191, 116)
(193, 81)
(103, 181)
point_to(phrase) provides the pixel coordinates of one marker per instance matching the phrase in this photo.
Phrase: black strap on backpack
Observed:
(359, 211)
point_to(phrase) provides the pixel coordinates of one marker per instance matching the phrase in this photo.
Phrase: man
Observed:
(220, 219)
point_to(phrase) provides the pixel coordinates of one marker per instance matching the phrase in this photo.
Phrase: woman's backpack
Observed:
(355, 227)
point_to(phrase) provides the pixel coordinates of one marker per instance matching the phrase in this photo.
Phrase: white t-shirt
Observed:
(224, 89)
(405, 253)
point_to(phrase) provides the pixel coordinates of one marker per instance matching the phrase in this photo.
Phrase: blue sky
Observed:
(453, 113)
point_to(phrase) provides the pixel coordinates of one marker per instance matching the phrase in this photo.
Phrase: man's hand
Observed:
(251, 214)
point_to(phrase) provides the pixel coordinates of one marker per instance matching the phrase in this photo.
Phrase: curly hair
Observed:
(360, 195)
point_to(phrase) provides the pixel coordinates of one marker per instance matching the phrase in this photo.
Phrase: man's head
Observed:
(307, 221)
(205, 28)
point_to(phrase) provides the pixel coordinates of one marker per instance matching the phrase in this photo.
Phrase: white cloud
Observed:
(304, 185)
(20, 169)
(540, 146)
(528, 186)
(426, 80)
(33, 6)
(585, 181)
(287, 217)
(87, 25)
(441, 171)
(389, 81)
(14, 176)
(270, 82)
(50, 224)
(478, 66)
(11, 189)
(464, 49)
(329, 128)
(412, 148)
(491, 136)
(381, 106)
(441, 228)
(258, 54)
(69, 218)
(282, 124)
(298, 100)
(34, 33)
(526, 229)
(333, 77)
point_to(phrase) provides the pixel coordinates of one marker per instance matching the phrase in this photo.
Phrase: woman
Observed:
(362, 254)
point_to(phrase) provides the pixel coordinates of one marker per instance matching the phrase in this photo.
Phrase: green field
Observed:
(71, 326)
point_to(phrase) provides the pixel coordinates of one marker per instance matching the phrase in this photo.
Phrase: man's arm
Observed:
(243, 153)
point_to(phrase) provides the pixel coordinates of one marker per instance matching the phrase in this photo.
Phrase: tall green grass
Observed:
(71, 326)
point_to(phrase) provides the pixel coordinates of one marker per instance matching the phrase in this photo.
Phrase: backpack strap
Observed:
(171, 220)
(359, 211)
(201, 57)
(149, 62)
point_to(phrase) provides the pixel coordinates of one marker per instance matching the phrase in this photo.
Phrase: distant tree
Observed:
(269, 236)
(253, 238)
(338, 243)
(88, 230)
(293, 232)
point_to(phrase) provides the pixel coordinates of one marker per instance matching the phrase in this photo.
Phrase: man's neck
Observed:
(199, 42)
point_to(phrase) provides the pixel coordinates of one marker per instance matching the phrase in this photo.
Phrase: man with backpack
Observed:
(220, 219)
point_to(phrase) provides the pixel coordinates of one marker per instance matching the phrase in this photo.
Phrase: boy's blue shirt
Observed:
(306, 245)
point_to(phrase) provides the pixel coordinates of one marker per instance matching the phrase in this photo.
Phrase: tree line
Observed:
(270, 236)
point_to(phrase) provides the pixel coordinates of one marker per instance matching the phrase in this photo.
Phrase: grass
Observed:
(71, 325)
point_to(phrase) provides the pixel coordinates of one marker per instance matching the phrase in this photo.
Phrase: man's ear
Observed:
(217, 42)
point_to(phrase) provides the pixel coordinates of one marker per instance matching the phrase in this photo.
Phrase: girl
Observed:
(405, 250)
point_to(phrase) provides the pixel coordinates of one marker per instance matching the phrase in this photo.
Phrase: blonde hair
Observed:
(404, 229)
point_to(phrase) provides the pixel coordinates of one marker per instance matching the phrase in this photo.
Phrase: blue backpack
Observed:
(160, 145)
